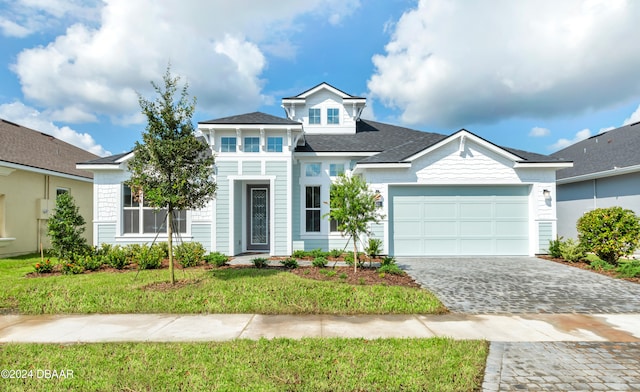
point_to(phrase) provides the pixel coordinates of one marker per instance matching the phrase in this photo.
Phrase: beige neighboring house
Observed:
(34, 169)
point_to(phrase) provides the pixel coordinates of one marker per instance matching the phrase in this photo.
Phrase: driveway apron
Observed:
(482, 285)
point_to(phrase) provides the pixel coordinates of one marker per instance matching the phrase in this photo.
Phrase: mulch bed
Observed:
(587, 266)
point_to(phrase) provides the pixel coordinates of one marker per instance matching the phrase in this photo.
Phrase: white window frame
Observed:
(141, 208)
(307, 167)
(278, 146)
(333, 173)
(228, 138)
(253, 143)
(319, 116)
(331, 118)
(318, 209)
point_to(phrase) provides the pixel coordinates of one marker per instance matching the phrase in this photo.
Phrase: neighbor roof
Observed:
(24, 146)
(254, 118)
(609, 150)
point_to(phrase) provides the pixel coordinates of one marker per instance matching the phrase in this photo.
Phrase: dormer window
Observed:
(314, 116)
(333, 116)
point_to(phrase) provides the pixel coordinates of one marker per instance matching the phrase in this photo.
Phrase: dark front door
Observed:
(258, 217)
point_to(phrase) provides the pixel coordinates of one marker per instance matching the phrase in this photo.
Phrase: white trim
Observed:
(399, 165)
(335, 154)
(247, 127)
(550, 165)
(44, 171)
(606, 173)
(289, 204)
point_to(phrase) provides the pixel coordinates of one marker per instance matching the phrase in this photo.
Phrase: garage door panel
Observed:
(459, 220)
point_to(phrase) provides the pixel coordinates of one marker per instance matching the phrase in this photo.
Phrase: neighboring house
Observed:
(34, 169)
(441, 195)
(606, 173)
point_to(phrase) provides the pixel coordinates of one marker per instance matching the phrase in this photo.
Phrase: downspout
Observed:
(595, 194)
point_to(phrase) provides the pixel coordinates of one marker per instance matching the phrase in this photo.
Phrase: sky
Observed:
(537, 75)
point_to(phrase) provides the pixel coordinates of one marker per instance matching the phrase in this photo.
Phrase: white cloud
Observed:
(539, 132)
(456, 62)
(562, 143)
(215, 46)
(12, 29)
(29, 117)
(634, 118)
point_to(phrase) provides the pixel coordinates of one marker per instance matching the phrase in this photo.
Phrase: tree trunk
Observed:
(170, 239)
(355, 255)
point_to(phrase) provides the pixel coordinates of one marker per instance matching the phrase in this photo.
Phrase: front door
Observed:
(258, 217)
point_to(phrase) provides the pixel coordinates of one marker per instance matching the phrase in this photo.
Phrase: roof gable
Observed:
(27, 147)
(323, 86)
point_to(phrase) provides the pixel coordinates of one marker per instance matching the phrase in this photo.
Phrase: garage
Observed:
(459, 220)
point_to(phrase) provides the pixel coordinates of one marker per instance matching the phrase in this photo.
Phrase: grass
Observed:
(265, 365)
(202, 291)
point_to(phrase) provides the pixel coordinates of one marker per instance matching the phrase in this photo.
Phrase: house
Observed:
(606, 173)
(455, 194)
(34, 169)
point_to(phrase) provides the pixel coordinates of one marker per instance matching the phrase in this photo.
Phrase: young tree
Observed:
(66, 226)
(353, 206)
(172, 169)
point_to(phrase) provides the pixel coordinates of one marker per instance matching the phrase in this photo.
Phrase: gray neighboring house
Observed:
(456, 194)
(605, 173)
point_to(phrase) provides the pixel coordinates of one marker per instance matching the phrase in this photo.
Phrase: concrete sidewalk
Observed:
(218, 327)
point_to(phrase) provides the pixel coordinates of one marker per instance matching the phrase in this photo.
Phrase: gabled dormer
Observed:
(325, 109)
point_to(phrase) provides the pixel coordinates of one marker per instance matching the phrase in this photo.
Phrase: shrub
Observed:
(90, 263)
(103, 250)
(117, 257)
(554, 248)
(260, 262)
(601, 265)
(571, 250)
(318, 253)
(610, 233)
(374, 248)
(69, 268)
(348, 258)
(149, 257)
(189, 253)
(164, 246)
(290, 263)
(65, 228)
(343, 276)
(43, 268)
(629, 269)
(216, 258)
(390, 269)
(300, 254)
(335, 253)
(388, 260)
(320, 262)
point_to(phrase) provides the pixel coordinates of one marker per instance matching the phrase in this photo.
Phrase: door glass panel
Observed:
(259, 218)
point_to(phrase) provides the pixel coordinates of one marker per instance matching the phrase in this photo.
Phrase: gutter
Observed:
(616, 171)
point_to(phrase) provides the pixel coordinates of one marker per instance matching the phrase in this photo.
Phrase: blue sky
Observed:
(533, 74)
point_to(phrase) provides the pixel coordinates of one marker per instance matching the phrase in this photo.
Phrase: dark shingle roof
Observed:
(254, 118)
(107, 160)
(25, 146)
(617, 148)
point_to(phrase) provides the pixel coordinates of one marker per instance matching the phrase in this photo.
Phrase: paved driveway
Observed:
(480, 285)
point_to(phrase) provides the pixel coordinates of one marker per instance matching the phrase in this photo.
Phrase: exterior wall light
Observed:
(379, 199)
(547, 194)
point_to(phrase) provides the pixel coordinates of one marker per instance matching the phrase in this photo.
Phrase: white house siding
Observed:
(281, 208)
(324, 100)
(224, 169)
(576, 198)
(477, 165)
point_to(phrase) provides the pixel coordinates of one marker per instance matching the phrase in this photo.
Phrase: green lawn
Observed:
(242, 365)
(205, 291)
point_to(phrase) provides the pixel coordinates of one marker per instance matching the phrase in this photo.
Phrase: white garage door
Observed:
(459, 220)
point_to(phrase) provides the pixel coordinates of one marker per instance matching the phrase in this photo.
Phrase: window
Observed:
(136, 215)
(314, 116)
(274, 144)
(312, 209)
(312, 169)
(335, 169)
(251, 144)
(61, 191)
(333, 116)
(228, 144)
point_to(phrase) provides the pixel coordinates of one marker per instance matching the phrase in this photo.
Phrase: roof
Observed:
(27, 147)
(325, 85)
(254, 118)
(393, 143)
(610, 150)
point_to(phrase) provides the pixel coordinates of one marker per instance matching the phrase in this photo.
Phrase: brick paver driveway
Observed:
(481, 285)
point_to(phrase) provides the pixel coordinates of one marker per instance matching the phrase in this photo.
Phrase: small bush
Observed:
(388, 260)
(300, 254)
(103, 250)
(318, 253)
(610, 233)
(164, 246)
(149, 257)
(343, 276)
(45, 267)
(69, 268)
(601, 265)
(331, 273)
(90, 263)
(290, 263)
(629, 269)
(571, 250)
(189, 253)
(374, 248)
(335, 253)
(216, 258)
(348, 258)
(320, 262)
(260, 262)
(117, 257)
(390, 269)
(554, 248)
